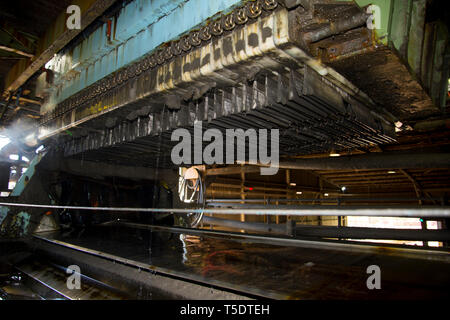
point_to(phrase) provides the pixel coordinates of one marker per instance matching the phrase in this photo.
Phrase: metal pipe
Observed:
(250, 226)
(383, 161)
(335, 27)
(16, 51)
(429, 212)
(96, 9)
(335, 232)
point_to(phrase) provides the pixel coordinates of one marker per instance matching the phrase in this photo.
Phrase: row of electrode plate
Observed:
(239, 16)
(307, 124)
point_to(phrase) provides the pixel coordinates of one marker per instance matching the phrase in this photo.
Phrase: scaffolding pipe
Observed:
(372, 233)
(426, 212)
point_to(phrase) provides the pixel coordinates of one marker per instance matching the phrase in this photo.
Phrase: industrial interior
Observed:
(355, 179)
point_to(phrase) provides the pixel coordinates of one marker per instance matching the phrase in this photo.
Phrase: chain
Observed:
(239, 16)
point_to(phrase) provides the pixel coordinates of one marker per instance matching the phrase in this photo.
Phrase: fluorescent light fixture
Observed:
(391, 172)
(299, 192)
(292, 184)
(326, 194)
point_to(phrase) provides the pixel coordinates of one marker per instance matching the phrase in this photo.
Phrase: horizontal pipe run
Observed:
(237, 201)
(335, 232)
(428, 212)
(382, 161)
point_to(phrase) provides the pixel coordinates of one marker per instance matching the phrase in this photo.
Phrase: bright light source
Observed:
(25, 159)
(299, 192)
(14, 156)
(326, 194)
(343, 188)
(333, 153)
(13, 171)
(11, 185)
(391, 172)
(293, 184)
(4, 141)
(40, 148)
(24, 170)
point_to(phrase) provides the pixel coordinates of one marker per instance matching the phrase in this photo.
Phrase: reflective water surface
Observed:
(272, 270)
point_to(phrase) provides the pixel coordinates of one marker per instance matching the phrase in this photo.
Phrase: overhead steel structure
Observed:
(244, 68)
(117, 91)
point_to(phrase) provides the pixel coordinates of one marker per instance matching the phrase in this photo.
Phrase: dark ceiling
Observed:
(22, 23)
